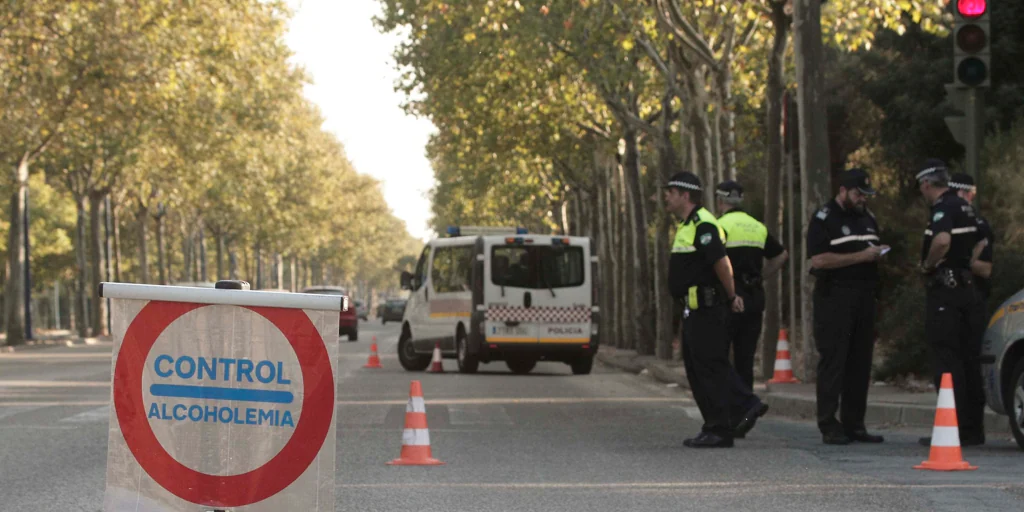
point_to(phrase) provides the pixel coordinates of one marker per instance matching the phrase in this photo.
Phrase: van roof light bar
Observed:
(484, 230)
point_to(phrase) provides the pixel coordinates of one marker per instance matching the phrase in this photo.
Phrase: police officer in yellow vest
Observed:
(748, 246)
(700, 279)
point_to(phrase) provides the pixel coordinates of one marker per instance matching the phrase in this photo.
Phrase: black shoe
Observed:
(708, 440)
(749, 420)
(835, 438)
(862, 436)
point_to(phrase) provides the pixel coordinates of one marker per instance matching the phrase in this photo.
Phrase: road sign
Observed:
(222, 399)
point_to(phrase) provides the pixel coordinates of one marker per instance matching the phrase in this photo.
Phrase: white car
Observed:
(500, 294)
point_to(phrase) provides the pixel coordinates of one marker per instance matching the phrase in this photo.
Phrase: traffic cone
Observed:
(435, 364)
(945, 452)
(783, 366)
(415, 437)
(374, 360)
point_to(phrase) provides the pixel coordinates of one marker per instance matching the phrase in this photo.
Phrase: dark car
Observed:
(392, 310)
(348, 321)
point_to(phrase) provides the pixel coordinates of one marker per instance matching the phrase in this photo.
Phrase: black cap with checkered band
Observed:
(685, 181)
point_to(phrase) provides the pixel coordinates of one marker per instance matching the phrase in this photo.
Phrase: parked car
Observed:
(348, 320)
(393, 310)
(1002, 363)
(362, 310)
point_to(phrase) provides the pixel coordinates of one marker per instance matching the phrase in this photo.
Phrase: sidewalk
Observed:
(887, 405)
(49, 338)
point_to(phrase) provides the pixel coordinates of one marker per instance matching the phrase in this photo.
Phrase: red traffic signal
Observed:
(971, 9)
(971, 39)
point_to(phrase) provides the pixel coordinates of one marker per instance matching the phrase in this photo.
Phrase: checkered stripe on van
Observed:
(539, 314)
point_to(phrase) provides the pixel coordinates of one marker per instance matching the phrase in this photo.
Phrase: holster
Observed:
(950, 278)
(706, 296)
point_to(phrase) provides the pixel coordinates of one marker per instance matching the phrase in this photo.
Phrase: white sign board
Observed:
(222, 400)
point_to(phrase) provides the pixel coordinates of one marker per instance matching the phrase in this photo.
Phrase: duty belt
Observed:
(751, 281)
(950, 278)
(705, 296)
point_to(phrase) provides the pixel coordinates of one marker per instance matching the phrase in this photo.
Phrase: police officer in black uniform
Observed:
(748, 245)
(954, 320)
(700, 277)
(982, 266)
(842, 240)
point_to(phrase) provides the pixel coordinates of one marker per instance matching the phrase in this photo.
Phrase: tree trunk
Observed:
(294, 267)
(14, 299)
(161, 244)
(729, 111)
(716, 148)
(773, 191)
(143, 218)
(99, 309)
(667, 163)
(219, 236)
(259, 267)
(116, 220)
(626, 275)
(814, 149)
(203, 275)
(279, 274)
(232, 262)
(643, 316)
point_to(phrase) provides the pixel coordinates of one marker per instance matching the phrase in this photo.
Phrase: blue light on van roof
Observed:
(521, 231)
(453, 230)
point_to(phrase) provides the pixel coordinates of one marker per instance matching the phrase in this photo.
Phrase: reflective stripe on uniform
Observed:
(855, 238)
(963, 231)
(743, 230)
(683, 249)
(758, 245)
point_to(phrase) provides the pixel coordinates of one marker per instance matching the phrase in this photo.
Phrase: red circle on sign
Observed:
(235, 490)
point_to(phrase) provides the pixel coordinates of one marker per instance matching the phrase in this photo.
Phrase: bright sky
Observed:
(353, 84)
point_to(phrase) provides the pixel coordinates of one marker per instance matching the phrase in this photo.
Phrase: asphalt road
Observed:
(545, 441)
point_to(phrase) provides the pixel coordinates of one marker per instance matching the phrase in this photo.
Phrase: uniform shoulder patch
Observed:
(938, 216)
(822, 213)
(705, 239)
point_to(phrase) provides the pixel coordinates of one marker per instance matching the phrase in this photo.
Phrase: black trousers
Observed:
(720, 395)
(844, 333)
(744, 331)
(954, 326)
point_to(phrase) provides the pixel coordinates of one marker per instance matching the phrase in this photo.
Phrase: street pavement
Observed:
(609, 441)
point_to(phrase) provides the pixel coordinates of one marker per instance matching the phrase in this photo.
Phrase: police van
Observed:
(502, 294)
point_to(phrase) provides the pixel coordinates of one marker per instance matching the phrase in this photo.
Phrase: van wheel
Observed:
(467, 363)
(582, 365)
(521, 366)
(1017, 410)
(408, 357)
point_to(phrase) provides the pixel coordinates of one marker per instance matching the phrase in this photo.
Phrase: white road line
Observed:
(53, 384)
(98, 415)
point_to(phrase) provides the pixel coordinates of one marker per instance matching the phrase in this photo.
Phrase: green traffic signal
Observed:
(972, 72)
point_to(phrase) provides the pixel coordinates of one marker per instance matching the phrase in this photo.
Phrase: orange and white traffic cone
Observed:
(435, 364)
(945, 452)
(783, 366)
(416, 436)
(374, 360)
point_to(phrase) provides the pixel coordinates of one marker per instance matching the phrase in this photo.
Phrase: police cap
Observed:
(685, 181)
(931, 166)
(961, 181)
(857, 178)
(729, 190)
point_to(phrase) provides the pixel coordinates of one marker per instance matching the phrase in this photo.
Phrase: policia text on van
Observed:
(500, 294)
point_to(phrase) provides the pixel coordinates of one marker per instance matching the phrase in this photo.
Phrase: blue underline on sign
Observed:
(215, 393)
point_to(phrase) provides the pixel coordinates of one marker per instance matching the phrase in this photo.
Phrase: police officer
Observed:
(843, 243)
(982, 266)
(954, 319)
(748, 245)
(700, 276)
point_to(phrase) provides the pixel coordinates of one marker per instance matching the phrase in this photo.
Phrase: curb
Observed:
(791, 405)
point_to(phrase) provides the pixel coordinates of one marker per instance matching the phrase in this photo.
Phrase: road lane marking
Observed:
(86, 355)
(679, 485)
(437, 401)
(100, 414)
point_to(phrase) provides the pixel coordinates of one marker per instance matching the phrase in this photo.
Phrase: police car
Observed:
(1002, 363)
(502, 294)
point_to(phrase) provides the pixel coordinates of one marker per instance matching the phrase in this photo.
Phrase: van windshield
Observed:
(537, 266)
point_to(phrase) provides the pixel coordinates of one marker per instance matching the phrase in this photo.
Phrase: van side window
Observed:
(441, 269)
(421, 269)
(462, 271)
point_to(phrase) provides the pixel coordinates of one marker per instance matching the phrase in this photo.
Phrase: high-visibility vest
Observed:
(684, 243)
(687, 231)
(743, 230)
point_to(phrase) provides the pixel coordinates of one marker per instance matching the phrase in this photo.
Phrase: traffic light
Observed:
(971, 42)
